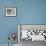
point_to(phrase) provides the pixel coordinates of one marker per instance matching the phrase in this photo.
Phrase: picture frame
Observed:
(10, 11)
(36, 32)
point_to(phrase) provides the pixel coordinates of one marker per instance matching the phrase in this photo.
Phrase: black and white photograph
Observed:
(10, 11)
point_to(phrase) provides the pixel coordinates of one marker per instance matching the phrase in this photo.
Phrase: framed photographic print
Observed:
(32, 32)
(10, 11)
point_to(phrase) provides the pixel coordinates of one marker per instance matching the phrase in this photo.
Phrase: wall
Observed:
(33, 12)
(8, 24)
(28, 12)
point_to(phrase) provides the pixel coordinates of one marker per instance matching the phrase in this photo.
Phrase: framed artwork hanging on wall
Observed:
(10, 11)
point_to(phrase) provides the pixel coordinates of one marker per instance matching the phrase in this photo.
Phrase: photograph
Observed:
(10, 11)
(31, 33)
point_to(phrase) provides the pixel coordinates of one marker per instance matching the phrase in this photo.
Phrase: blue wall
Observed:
(33, 12)
(28, 12)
